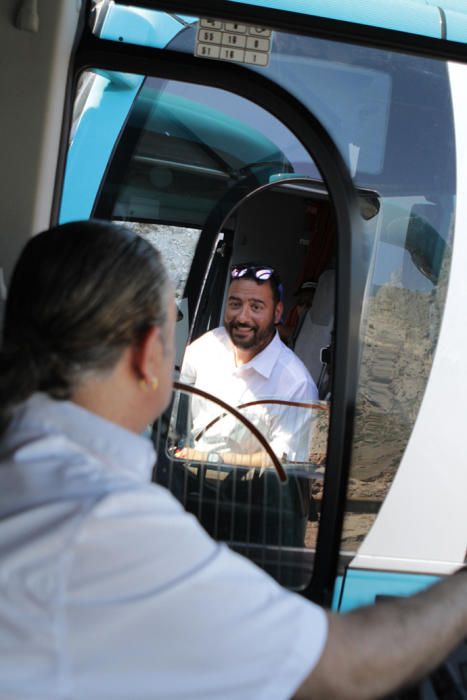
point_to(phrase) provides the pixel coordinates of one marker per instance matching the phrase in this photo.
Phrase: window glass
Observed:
(184, 146)
(348, 93)
(180, 150)
(382, 109)
(360, 95)
(403, 306)
(177, 246)
(379, 106)
(443, 19)
(210, 463)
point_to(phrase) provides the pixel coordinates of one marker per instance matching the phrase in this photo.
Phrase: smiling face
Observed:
(251, 315)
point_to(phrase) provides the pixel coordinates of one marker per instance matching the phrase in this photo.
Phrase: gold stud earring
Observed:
(154, 383)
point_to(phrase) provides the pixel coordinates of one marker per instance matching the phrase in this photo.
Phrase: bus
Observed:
(326, 139)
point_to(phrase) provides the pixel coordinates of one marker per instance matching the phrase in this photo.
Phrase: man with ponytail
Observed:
(108, 589)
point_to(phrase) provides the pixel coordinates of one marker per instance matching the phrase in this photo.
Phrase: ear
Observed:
(278, 311)
(147, 354)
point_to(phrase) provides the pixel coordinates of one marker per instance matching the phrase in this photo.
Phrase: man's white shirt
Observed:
(274, 373)
(108, 589)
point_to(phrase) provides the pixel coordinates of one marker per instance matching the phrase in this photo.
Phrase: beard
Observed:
(250, 337)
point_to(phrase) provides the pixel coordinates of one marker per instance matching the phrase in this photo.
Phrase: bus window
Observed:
(391, 113)
(189, 153)
(177, 246)
(403, 305)
(185, 152)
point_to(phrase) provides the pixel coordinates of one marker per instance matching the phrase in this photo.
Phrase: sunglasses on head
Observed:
(260, 273)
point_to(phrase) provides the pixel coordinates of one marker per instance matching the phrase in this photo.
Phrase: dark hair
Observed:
(80, 293)
(249, 271)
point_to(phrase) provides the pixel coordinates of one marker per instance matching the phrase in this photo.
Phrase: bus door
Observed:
(217, 115)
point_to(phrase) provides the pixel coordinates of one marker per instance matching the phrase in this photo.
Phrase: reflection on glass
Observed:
(401, 322)
(177, 246)
(390, 115)
(185, 146)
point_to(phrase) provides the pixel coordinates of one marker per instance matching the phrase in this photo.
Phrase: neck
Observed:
(245, 355)
(112, 396)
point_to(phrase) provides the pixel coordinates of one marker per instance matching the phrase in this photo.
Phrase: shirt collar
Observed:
(264, 361)
(115, 447)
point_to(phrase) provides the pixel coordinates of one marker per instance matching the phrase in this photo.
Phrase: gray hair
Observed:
(80, 294)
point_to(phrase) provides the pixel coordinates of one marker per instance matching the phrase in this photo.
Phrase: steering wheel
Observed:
(187, 388)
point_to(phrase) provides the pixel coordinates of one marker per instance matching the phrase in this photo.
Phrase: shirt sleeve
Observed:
(292, 426)
(158, 609)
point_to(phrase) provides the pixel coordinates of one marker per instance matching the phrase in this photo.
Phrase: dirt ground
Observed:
(363, 502)
(400, 329)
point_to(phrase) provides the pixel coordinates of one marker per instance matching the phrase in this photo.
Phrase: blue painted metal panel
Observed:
(144, 27)
(362, 586)
(401, 15)
(95, 138)
(105, 113)
(457, 5)
(336, 596)
(456, 26)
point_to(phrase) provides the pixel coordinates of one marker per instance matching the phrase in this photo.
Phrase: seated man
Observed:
(246, 362)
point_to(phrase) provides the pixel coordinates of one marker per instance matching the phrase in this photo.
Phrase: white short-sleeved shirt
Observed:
(274, 373)
(108, 589)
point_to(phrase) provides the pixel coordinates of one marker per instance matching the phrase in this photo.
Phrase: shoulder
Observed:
(298, 377)
(178, 581)
(211, 349)
(148, 533)
(215, 338)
